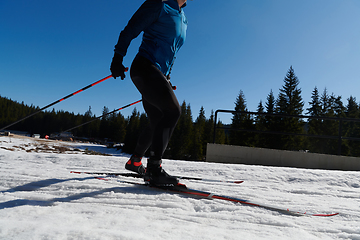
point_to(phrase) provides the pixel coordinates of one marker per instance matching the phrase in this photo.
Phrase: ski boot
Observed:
(134, 164)
(155, 175)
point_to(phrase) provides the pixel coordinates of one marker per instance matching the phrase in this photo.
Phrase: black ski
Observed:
(135, 175)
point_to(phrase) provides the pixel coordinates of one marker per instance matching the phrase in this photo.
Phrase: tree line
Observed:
(191, 136)
(188, 142)
(290, 102)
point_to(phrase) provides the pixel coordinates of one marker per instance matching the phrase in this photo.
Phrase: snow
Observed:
(41, 199)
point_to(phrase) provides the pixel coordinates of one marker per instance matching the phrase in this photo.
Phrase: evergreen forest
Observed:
(269, 127)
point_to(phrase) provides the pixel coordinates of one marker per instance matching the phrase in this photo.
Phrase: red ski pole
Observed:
(60, 100)
(67, 130)
(118, 109)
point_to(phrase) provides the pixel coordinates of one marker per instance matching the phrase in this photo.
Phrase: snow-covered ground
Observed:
(41, 199)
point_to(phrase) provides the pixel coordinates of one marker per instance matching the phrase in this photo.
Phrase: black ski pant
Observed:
(160, 104)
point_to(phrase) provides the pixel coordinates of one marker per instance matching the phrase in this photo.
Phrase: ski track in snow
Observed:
(41, 199)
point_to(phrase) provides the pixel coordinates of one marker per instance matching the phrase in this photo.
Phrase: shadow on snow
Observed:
(45, 183)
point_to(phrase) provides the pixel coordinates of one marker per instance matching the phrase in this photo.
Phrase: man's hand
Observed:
(117, 68)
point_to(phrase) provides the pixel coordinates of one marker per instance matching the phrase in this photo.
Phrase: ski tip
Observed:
(238, 182)
(326, 215)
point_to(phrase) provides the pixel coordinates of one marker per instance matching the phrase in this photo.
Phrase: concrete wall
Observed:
(270, 157)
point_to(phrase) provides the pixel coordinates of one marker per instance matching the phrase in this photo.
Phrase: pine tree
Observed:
(338, 110)
(338, 107)
(271, 124)
(181, 140)
(352, 108)
(314, 125)
(117, 124)
(315, 105)
(220, 136)
(290, 102)
(197, 151)
(352, 129)
(76, 122)
(132, 132)
(209, 131)
(328, 127)
(270, 104)
(89, 130)
(241, 121)
(105, 114)
(260, 125)
(105, 130)
(88, 113)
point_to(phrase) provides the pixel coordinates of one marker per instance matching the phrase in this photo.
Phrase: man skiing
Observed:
(164, 25)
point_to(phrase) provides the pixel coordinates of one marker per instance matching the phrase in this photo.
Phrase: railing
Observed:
(339, 137)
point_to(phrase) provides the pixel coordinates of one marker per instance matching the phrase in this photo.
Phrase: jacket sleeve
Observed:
(148, 13)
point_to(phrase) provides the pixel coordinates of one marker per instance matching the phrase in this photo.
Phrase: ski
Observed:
(182, 189)
(135, 175)
(248, 202)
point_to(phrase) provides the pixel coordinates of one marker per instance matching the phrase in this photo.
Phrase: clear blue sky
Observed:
(49, 49)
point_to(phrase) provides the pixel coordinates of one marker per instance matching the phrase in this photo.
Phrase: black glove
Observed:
(117, 68)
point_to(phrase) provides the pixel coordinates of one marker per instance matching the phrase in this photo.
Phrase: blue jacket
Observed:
(164, 25)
